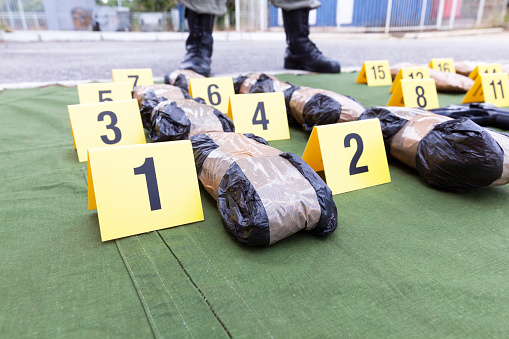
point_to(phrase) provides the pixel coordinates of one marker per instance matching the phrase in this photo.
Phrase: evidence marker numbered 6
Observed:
(105, 124)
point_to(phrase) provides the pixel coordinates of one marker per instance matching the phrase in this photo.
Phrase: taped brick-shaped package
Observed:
(451, 154)
(263, 194)
(169, 120)
(305, 106)
(141, 93)
(182, 78)
(444, 81)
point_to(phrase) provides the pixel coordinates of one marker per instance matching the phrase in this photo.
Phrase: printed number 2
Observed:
(115, 129)
(263, 119)
(136, 77)
(150, 176)
(360, 147)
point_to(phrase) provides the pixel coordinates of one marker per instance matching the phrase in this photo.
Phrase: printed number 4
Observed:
(360, 148)
(263, 119)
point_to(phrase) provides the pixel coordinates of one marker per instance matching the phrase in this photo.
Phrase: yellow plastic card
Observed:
(420, 93)
(490, 88)
(142, 188)
(100, 92)
(352, 155)
(136, 77)
(105, 124)
(410, 73)
(485, 69)
(263, 114)
(443, 65)
(215, 91)
(375, 73)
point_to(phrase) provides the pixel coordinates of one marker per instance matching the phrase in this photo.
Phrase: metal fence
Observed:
(346, 15)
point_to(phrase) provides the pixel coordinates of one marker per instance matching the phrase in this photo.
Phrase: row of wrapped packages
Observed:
(265, 195)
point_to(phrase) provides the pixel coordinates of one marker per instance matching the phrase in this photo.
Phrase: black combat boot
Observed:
(199, 42)
(301, 53)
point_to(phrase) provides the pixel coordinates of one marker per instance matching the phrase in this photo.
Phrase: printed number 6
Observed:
(211, 94)
(115, 129)
(360, 147)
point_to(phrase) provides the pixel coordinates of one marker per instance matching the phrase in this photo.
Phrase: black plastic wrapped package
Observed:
(169, 92)
(181, 119)
(263, 195)
(451, 154)
(181, 78)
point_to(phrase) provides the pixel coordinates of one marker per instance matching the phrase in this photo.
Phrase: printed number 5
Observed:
(115, 129)
(360, 147)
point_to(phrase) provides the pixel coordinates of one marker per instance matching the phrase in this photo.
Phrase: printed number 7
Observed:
(136, 77)
(360, 147)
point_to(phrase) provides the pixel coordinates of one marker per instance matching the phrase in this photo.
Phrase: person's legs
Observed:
(200, 16)
(301, 53)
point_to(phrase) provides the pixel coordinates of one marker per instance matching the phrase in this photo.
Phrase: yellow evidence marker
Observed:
(443, 65)
(420, 93)
(352, 155)
(100, 92)
(142, 188)
(375, 73)
(483, 69)
(136, 76)
(263, 114)
(492, 88)
(412, 73)
(105, 124)
(215, 91)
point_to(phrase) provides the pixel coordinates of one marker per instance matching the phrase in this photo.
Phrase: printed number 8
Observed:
(420, 96)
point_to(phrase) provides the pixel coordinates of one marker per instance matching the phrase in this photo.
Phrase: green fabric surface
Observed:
(406, 260)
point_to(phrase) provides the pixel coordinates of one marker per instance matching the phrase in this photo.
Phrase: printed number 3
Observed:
(360, 147)
(115, 129)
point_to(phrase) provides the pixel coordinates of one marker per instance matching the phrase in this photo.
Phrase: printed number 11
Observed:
(150, 175)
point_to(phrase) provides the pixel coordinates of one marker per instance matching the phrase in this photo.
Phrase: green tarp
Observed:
(406, 260)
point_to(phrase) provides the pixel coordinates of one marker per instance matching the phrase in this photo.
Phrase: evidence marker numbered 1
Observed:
(103, 124)
(142, 188)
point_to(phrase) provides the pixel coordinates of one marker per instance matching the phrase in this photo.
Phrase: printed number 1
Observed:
(150, 176)
(360, 148)
(263, 119)
(136, 77)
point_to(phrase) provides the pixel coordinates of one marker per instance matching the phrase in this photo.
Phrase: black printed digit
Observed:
(149, 171)
(420, 96)
(136, 77)
(101, 98)
(260, 108)
(360, 148)
(212, 94)
(115, 129)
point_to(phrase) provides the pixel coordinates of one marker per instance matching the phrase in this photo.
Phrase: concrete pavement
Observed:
(32, 58)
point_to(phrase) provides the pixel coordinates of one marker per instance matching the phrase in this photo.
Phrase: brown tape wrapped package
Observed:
(263, 194)
(444, 81)
(159, 90)
(181, 78)
(305, 106)
(452, 154)
(465, 67)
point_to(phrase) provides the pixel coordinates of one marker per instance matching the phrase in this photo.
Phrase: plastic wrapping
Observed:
(263, 195)
(444, 81)
(159, 90)
(481, 113)
(452, 154)
(181, 119)
(312, 106)
(181, 78)
(259, 83)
